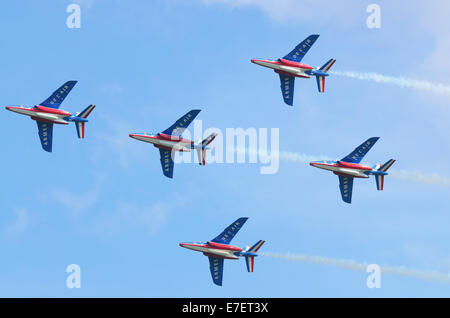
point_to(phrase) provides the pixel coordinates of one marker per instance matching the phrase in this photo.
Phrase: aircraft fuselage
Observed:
(286, 67)
(165, 141)
(42, 113)
(346, 169)
(217, 250)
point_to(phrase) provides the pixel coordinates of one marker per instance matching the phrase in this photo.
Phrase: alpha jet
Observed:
(47, 113)
(349, 168)
(170, 140)
(218, 249)
(289, 67)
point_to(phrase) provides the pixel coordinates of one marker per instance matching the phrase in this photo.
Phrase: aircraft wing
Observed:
(346, 187)
(356, 155)
(181, 124)
(166, 162)
(55, 100)
(300, 50)
(227, 235)
(45, 135)
(287, 88)
(216, 268)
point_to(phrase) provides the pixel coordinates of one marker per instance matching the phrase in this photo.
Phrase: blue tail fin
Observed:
(250, 260)
(320, 77)
(379, 178)
(79, 124)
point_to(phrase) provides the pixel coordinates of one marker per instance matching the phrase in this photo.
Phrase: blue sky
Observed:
(103, 203)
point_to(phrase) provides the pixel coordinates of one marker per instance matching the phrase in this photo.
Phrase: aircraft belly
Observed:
(172, 144)
(295, 71)
(351, 172)
(346, 171)
(215, 251)
(46, 116)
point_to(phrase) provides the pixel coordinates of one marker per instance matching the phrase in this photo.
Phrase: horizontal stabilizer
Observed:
(85, 113)
(209, 139)
(326, 67)
(256, 247)
(387, 165)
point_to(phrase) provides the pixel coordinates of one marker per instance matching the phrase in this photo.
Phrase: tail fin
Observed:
(380, 178)
(250, 260)
(79, 124)
(201, 151)
(387, 165)
(209, 139)
(321, 79)
(326, 67)
(85, 113)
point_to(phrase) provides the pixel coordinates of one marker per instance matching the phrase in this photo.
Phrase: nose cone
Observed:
(182, 245)
(313, 163)
(132, 136)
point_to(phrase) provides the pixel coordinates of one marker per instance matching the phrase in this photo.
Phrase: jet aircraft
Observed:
(47, 113)
(349, 168)
(170, 140)
(289, 67)
(218, 249)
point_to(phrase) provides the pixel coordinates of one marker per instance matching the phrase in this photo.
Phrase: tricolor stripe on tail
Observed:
(80, 129)
(250, 260)
(201, 151)
(321, 79)
(380, 178)
(85, 113)
(80, 124)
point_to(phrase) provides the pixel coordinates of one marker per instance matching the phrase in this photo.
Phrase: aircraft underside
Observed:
(345, 172)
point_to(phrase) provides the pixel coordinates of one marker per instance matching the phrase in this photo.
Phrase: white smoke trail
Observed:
(352, 265)
(420, 177)
(398, 81)
(415, 176)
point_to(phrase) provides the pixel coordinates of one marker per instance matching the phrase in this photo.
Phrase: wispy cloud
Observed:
(20, 225)
(115, 144)
(75, 202)
(134, 217)
(355, 266)
(343, 13)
